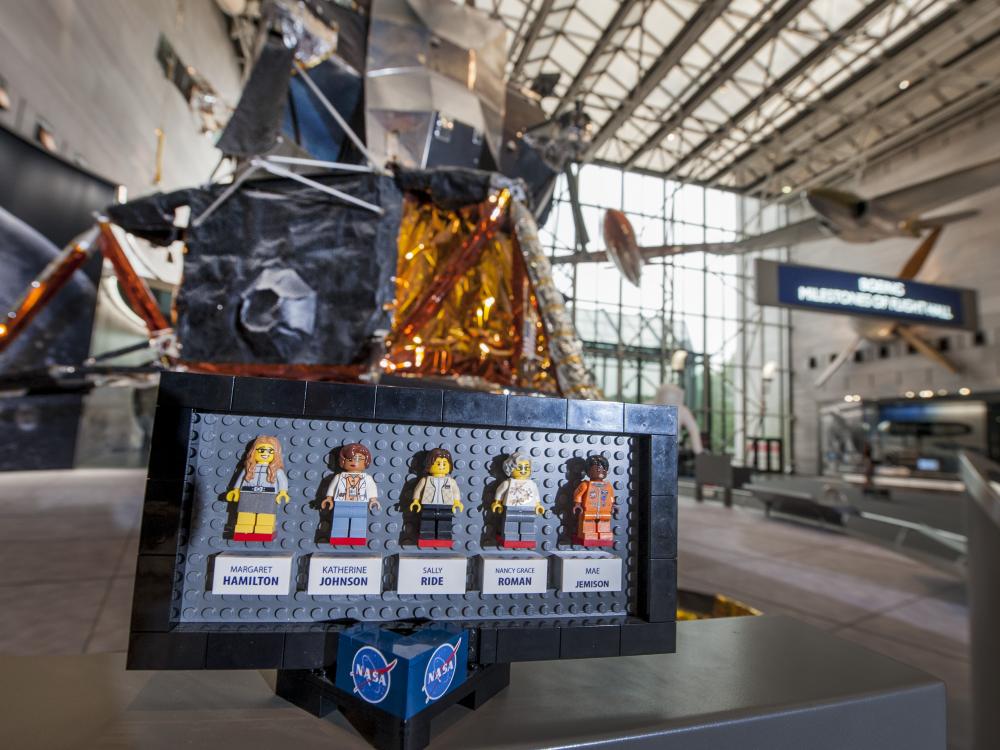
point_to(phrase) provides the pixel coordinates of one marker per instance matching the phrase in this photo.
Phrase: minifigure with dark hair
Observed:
(594, 501)
(518, 496)
(436, 499)
(352, 494)
(260, 487)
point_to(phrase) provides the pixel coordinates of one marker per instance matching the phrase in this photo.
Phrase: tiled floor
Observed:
(68, 543)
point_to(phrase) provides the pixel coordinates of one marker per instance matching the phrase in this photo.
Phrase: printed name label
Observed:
(510, 575)
(427, 574)
(332, 575)
(583, 574)
(264, 575)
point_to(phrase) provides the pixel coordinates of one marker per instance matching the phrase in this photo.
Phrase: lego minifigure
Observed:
(594, 500)
(518, 494)
(352, 494)
(259, 489)
(436, 499)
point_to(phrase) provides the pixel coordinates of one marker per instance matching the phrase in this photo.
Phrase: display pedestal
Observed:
(312, 691)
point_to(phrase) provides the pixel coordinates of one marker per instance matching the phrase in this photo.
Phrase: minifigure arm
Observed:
(537, 498)
(498, 496)
(233, 495)
(331, 491)
(373, 503)
(456, 505)
(579, 495)
(418, 492)
(282, 482)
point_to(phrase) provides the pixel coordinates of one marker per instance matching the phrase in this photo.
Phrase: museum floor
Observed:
(69, 542)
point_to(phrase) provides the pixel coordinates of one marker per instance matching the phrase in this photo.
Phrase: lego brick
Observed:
(168, 450)
(193, 391)
(408, 404)
(536, 411)
(662, 527)
(244, 650)
(486, 646)
(309, 650)
(166, 651)
(658, 587)
(468, 407)
(641, 637)
(269, 396)
(527, 644)
(594, 416)
(341, 400)
(663, 465)
(589, 641)
(650, 419)
(161, 517)
(153, 593)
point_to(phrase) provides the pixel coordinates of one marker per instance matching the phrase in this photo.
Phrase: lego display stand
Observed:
(389, 683)
(315, 693)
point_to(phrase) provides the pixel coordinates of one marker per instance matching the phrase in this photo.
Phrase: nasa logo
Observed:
(371, 674)
(440, 670)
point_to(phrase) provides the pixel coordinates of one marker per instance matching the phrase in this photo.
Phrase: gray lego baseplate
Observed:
(217, 446)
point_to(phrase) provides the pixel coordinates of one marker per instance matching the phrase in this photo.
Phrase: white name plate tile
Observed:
(262, 575)
(431, 574)
(339, 575)
(513, 574)
(588, 571)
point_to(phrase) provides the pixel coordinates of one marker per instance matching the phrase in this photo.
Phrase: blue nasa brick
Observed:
(341, 400)
(536, 411)
(594, 416)
(649, 419)
(408, 404)
(401, 674)
(269, 396)
(469, 407)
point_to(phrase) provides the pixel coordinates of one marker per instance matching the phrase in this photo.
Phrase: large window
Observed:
(735, 370)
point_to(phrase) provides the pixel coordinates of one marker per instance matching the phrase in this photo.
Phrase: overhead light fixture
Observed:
(942, 391)
(904, 85)
(910, 394)
(964, 391)
(926, 394)
(4, 96)
(786, 189)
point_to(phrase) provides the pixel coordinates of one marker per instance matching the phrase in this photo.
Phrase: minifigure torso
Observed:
(596, 494)
(431, 490)
(518, 493)
(353, 487)
(260, 482)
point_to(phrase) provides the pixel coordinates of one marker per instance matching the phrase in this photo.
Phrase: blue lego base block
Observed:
(401, 673)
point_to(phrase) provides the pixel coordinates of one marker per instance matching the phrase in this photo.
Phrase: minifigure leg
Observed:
(264, 523)
(510, 525)
(527, 530)
(604, 526)
(341, 525)
(359, 527)
(245, 523)
(444, 524)
(428, 527)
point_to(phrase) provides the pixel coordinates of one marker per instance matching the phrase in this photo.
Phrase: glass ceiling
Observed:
(765, 96)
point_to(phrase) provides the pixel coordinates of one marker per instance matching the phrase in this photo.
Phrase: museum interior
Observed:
(500, 373)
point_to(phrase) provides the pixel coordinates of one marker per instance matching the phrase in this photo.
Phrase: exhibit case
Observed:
(391, 550)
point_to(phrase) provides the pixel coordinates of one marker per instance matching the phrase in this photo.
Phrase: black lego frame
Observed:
(155, 642)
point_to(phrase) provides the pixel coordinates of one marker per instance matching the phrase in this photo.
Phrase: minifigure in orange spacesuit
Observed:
(594, 501)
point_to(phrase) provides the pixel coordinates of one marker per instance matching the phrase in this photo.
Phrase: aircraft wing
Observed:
(802, 231)
(926, 196)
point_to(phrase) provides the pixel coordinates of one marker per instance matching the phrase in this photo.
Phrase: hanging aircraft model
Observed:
(842, 214)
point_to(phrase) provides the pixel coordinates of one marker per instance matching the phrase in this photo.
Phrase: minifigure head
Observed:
(439, 462)
(265, 450)
(517, 466)
(597, 467)
(355, 457)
